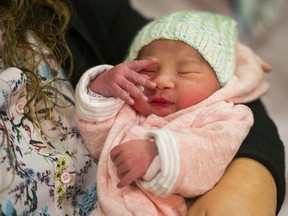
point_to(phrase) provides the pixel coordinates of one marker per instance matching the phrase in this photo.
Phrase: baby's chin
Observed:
(161, 112)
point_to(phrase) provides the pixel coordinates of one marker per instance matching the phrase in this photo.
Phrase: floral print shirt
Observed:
(52, 173)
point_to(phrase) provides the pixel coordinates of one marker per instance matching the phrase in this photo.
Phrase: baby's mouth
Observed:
(160, 102)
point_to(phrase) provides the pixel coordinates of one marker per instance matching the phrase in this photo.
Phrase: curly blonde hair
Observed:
(48, 20)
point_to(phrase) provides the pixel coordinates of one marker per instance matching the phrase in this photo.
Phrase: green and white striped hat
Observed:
(213, 35)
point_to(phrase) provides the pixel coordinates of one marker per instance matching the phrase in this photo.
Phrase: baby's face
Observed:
(183, 78)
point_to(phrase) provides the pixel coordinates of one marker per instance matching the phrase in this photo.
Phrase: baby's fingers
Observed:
(141, 65)
(138, 65)
(127, 179)
(135, 92)
(142, 79)
(123, 94)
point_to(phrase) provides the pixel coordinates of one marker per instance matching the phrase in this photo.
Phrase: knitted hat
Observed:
(213, 35)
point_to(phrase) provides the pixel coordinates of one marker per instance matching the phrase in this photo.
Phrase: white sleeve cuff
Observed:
(169, 171)
(90, 108)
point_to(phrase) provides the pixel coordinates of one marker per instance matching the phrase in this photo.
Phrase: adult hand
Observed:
(247, 188)
(132, 160)
(121, 81)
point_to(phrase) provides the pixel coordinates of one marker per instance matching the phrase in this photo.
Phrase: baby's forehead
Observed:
(164, 45)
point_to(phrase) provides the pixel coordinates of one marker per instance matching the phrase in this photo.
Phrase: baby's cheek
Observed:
(189, 99)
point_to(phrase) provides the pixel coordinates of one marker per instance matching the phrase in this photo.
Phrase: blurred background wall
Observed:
(263, 25)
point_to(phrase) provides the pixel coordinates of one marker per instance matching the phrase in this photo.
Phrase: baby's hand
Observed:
(132, 160)
(121, 81)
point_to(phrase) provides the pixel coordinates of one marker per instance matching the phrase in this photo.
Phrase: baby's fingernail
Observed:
(130, 101)
(145, 98)
(154, 59)
(153, 85)
(141, 88)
